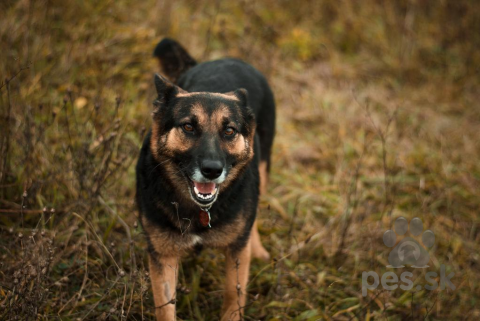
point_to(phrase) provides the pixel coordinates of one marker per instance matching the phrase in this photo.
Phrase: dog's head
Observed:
(203, 141)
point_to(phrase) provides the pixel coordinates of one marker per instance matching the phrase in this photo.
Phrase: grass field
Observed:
(378, 117)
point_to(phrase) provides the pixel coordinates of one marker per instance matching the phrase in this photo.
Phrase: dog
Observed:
(201, 170)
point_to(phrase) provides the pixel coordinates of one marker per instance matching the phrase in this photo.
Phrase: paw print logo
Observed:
(408, 251)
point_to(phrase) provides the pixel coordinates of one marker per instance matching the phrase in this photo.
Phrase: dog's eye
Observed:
(229, 131)
(188, 128)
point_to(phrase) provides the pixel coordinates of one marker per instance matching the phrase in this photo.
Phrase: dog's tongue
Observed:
(205, 188)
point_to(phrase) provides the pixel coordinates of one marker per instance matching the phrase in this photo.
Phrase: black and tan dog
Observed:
(201, 170)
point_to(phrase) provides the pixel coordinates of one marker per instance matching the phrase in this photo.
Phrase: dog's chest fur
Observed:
(166, 241)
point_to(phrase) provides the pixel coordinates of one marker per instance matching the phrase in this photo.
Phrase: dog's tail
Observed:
(173, 58)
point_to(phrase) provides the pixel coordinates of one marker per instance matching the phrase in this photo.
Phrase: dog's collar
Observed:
(204, 216)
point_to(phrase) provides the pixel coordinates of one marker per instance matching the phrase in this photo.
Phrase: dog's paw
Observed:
(259, 252)
(232, 313)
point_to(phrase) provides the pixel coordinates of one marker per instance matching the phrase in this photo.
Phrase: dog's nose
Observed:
(211, 169)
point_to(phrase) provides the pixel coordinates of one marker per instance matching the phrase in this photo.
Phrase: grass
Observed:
(377, 118)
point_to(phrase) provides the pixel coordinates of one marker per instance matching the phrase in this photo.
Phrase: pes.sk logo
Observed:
(407, 252)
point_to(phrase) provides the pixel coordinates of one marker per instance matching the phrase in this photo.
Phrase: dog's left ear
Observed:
(248, 114)
(166, 90)
(242, 95)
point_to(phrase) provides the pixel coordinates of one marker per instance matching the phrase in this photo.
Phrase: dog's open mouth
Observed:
(203, 193)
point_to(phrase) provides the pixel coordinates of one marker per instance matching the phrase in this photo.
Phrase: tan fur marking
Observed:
(154, 140)
(225, 236)
(164, 284)
(167, 242)
(242, 163)
(262, 170)
(175, 140)
(229, 96)
(234, 299)
(199, 112)
(258, 251)
(238, 146)
(216, 120)
(233, 174)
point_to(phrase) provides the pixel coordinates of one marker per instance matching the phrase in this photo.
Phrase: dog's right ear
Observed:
(166, 90)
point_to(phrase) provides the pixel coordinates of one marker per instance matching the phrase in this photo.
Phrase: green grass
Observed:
(377, 118)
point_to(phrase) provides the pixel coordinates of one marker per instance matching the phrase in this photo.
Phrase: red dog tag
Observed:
(205, 218)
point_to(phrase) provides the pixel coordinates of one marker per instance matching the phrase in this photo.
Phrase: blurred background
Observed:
(378, 117)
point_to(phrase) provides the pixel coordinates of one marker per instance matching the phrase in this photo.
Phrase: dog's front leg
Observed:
(258, 250)
(237, 266)
(163, 275)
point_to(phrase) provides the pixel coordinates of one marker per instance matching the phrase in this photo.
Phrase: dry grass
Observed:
(377, 117)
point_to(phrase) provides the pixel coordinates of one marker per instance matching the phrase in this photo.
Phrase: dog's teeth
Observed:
(205, 196)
